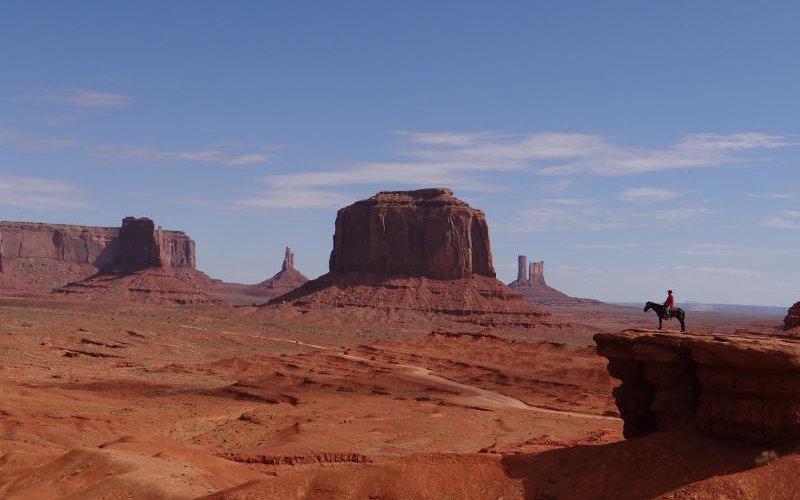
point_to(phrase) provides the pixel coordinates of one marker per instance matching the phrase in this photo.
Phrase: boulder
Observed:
(740, 387)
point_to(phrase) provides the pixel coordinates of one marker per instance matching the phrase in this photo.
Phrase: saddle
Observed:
(669, 314)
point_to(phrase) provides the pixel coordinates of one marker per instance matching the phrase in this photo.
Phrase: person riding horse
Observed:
(669, 305)
(667, 311)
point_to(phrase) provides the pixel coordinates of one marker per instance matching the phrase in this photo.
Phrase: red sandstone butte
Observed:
(37, 257)
(734, 386)
(422, 250)
(149, 265)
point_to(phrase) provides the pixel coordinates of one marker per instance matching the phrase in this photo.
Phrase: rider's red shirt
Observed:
(670, 301)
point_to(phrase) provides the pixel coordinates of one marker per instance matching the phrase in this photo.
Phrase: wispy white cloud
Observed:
(294, 199)
(772, 196)
(29, 142)
(472, 161)
(607, 246)
(680, 214)
(128, 154)
(33, 193)
(788, 219)
(587, 214)
(558, 186)
(727, 250)
(648, 195)
(82, 98)
(719, 271)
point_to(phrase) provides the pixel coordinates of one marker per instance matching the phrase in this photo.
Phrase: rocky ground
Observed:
(138, 401)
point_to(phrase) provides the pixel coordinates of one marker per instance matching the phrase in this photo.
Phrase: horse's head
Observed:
(648, 306)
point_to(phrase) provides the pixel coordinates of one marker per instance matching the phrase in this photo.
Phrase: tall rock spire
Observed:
(288, 260)
(536, 276)
(522, 271)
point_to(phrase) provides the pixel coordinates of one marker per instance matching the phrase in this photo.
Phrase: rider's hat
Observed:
(669, 291)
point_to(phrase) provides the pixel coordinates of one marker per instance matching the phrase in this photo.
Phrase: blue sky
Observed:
(633, 146)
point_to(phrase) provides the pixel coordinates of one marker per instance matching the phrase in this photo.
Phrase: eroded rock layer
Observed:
(792, 319)
(740, 387)
(422, 250)
(427, 232)
(39, 257)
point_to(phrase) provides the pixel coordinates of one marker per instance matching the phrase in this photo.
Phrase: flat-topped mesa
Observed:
(791, 321)
(423, 251)
(423, 233)
(738, 386)
(141, 245)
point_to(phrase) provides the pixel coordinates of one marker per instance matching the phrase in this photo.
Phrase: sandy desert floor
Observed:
(114, 401)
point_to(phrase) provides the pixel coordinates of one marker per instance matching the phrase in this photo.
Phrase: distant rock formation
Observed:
(141, 245)
(739, 387)
(792, 319)
(422, 250)
(286, 280)
(146, 264)
(531, 284)
(427, 232)
(38, 257)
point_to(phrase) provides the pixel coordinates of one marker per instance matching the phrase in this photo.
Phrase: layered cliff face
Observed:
(141, 245)
(531, 284)
(427, 232)
(741, 387)
(286, 280)
(136, 261)
(423, 251)
(792, 319)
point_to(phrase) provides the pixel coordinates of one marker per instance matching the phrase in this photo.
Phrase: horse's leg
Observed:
(682, 319)
(660, 322)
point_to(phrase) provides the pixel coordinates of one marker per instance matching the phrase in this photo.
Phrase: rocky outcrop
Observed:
(792, 319)
(39, 257)
(141, 244)
(536, 274)
(136, 262)
(740, 387)
(427, 232)
(286, 280)
(530, 283)
(424, 251)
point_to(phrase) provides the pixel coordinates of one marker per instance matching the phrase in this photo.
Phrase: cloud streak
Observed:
(89, 99)
(473, 160)
(33, 193)
(133, 154)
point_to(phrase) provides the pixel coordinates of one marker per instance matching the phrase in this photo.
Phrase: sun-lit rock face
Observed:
(739, 387)
(423, 233)
(423, 251)
(141, 245)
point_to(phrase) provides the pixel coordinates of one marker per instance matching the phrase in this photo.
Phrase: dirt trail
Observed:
(479, 396)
